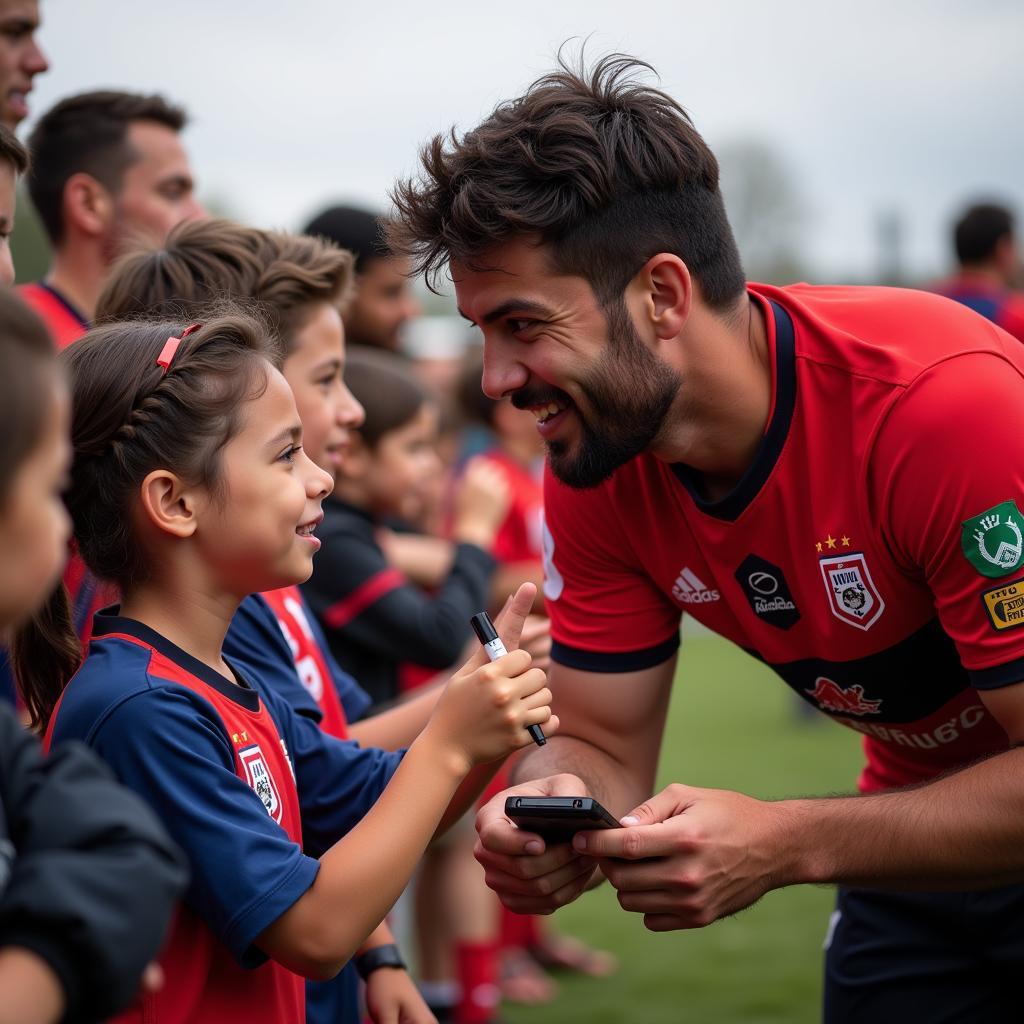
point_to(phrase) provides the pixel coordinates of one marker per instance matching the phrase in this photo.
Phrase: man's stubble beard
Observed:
(629, 394)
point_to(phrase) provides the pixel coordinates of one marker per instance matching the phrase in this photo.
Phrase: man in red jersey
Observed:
(108, 169)
(831, 477)
(989, 267)
(21, 59)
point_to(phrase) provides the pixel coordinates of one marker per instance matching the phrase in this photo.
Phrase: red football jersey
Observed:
(518, 539)
(872, 554)
(63, 321)
(203, 983)
(310, 664)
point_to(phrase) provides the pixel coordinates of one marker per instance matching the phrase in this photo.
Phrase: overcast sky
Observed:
(908, 105)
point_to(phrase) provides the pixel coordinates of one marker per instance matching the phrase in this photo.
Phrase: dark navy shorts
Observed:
(933, 958)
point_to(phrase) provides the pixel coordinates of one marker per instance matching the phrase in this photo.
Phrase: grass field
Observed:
(732, 725)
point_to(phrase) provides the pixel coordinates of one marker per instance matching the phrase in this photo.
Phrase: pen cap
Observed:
(483, 627)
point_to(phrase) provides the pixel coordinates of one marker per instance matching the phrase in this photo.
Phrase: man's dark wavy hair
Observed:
(606, 170)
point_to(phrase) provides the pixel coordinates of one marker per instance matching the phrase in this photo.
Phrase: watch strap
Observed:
(387, 955)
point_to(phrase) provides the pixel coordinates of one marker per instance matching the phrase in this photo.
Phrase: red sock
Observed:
(477, 965)
(520, 931)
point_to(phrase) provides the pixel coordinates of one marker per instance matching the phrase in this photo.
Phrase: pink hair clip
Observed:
(170, 349)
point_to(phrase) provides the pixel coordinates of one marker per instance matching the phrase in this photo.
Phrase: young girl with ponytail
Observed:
(189, 491)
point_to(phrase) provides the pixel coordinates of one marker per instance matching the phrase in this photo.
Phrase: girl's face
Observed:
(404, 465)
(34, 525)
(328, 410)
(255, 531)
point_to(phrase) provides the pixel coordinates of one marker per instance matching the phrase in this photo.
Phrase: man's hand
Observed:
(690, 856)
(529, 878)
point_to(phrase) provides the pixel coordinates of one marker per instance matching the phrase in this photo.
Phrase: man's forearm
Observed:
(616, 785)
(965, 830)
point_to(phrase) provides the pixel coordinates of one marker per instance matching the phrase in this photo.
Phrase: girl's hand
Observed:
(483, 712)
(392, 998)
(481, 503)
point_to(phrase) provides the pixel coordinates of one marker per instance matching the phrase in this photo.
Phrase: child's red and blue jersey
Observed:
(873, 552)
(250, 790)
(278, 639)
(277, 636)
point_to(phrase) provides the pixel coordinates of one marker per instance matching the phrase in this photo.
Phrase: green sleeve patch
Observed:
(992, 541)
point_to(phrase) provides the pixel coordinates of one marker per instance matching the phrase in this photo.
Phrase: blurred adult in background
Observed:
(985, 241)
(383, 300)
(108, 169)
(21, 59)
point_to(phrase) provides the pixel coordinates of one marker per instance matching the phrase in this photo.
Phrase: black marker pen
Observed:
(488, 636)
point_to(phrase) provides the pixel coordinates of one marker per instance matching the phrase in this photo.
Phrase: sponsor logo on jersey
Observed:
(1005, 605)
(767, 591)
(853, 596)
(846, 699)
(257, 774)
(689, 588)
(992, 541)
(948, 732)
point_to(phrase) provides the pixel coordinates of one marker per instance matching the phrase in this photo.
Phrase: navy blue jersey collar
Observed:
(243, 693)
(66, 303)
(732, 505)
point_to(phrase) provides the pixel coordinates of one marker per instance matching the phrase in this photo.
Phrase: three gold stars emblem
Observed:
(831, 543)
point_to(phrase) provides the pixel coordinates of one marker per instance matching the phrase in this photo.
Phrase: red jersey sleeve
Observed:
(948, 475)
(606, 613)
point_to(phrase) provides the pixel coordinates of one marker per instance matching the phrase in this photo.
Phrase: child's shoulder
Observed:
(128, 687)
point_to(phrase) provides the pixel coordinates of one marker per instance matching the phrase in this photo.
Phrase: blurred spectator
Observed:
(108, 169)
(20, 58)
(384, 301)
(989, 264)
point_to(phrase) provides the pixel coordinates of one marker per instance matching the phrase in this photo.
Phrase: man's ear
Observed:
(665, 291)
(168, 504)
(87, 204)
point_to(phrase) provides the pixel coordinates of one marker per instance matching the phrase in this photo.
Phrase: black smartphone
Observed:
(556, 819)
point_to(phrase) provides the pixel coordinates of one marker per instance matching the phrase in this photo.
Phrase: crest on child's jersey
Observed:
(853, 596)
(257, 774)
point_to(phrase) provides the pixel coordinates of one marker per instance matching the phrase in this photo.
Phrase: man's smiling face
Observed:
(599, 395)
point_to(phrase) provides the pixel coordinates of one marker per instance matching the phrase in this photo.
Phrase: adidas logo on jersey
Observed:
(690, 589)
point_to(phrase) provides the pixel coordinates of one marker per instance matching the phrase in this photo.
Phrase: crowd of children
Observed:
(245, 687)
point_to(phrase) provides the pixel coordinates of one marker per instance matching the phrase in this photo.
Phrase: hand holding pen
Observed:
(492, 644)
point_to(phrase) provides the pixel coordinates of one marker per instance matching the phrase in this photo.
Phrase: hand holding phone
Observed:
(556, 819)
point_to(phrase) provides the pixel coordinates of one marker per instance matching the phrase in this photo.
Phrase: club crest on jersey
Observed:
(848, 700)
(992, 541)
(853, 596)
(766, 589)
(257, 774)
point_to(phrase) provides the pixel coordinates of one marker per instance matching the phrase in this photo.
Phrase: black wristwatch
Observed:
(379, 956)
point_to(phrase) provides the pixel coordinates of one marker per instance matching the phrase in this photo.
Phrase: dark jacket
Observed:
(88, 877)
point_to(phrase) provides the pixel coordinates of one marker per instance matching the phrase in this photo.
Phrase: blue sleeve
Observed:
(255, 639)
(354, 699)
(338, 780)
(168, 745)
